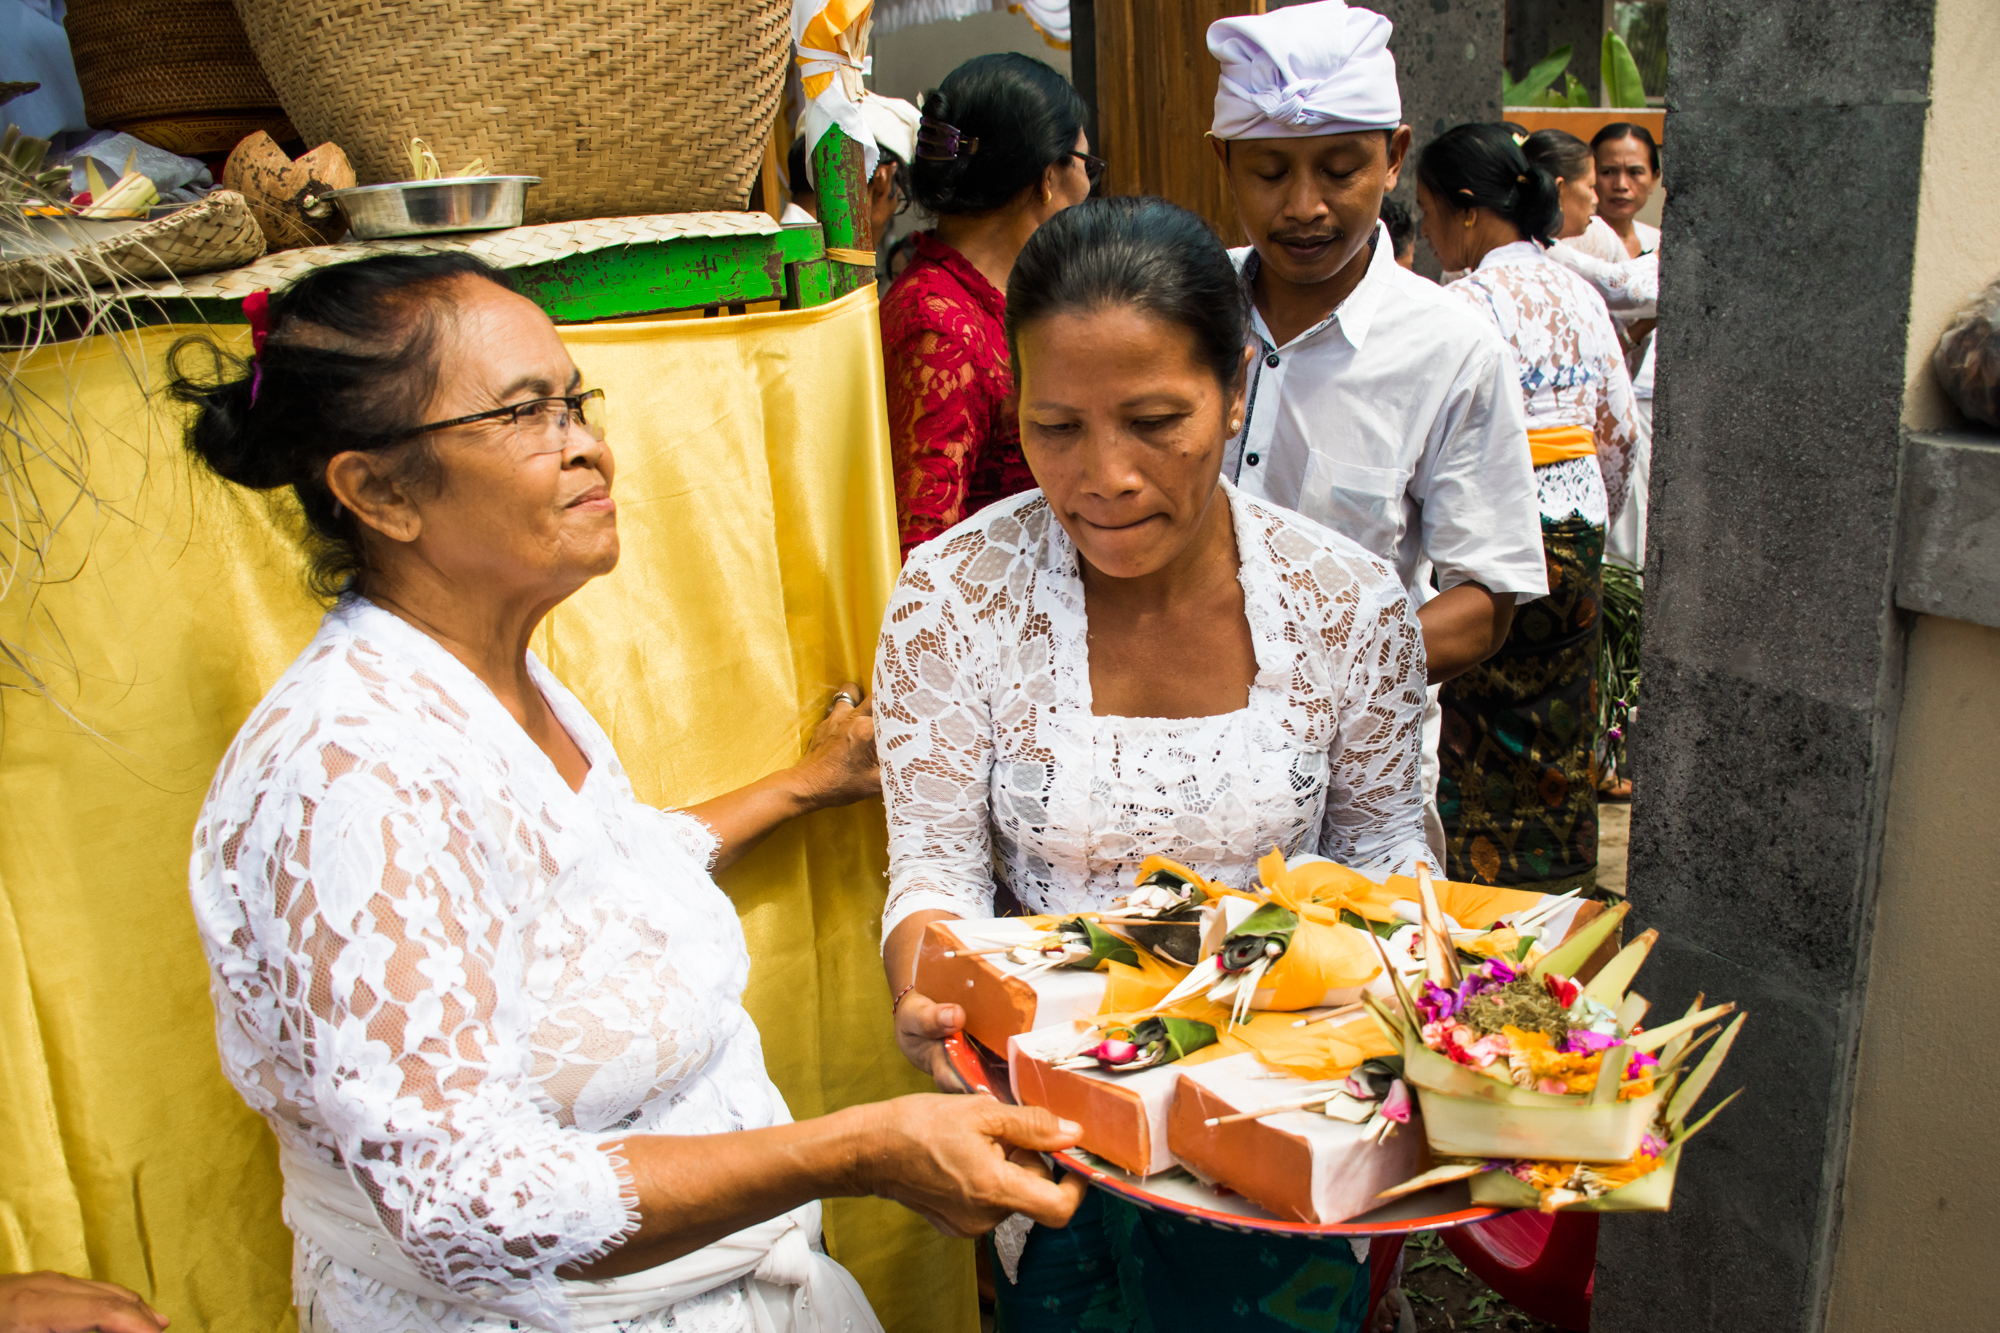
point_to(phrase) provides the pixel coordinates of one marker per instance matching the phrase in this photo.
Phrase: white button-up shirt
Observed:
(1397, 422)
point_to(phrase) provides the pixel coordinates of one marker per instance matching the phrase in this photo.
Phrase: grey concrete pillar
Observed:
(1773, 647)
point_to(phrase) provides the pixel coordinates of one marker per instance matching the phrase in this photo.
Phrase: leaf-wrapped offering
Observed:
(1546, 1089)
(1291, 953)
(1117, 1082)
(1310, 1151)
(1176, 914)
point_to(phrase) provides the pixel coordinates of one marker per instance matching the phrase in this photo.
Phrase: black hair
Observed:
(350, 362)
(1559, 153)
(1625, 129)
(795, 169)
(1025, 118)
(1480, 166)
(1400, 221)
(1145, 253)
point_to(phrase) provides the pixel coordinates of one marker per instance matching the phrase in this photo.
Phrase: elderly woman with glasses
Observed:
(1000, 151)
(490, 1003)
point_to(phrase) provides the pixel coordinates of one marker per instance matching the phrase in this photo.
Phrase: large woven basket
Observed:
(176, 73)
(622, 107)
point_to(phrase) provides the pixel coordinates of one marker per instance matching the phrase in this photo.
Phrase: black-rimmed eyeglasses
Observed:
(1093, 167)
(545, 416)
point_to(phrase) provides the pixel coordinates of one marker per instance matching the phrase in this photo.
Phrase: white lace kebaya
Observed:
(443, 974)
(993, 762)
(1572, 373)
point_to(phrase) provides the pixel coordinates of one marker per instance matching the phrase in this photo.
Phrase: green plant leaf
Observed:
(1536, 81)
(1622, 84)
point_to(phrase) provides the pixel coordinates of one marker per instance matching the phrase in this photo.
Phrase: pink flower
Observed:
(1563, 990)
(1396, 1106)
(1652, 1146)
(1554, 1086)
(1582, 1041)
(1111, 1051)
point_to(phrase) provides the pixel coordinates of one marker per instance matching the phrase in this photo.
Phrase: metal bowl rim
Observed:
(401, 186)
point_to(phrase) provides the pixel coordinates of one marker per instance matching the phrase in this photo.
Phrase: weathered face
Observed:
(1579, 201)
(1309, 205)
(1625, 178)
(521, 509)
(1123, 426)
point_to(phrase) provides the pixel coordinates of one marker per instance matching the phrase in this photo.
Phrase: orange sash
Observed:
(1556, 444)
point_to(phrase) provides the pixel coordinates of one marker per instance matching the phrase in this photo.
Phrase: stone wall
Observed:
(1773, 648)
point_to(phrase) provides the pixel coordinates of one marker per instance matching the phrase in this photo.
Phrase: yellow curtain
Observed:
(759, 545)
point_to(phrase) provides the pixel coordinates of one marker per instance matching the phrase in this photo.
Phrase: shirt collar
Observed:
(1353, 317)
(1514, 252)
(930, 248)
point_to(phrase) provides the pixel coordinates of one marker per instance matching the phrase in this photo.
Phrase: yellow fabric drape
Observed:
(759, 548)
(1559, 444)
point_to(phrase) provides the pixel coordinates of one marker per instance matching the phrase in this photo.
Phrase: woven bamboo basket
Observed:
(216, 232)
(177, 73)
(622, 107)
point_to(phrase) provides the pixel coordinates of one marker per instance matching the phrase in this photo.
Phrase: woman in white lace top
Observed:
(490, 1003)
(1133, 659)
(1517, 794)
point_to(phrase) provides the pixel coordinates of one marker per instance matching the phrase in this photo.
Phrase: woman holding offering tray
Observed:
(490, 1003)
(1137, 659)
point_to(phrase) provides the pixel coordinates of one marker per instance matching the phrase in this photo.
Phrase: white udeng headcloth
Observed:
(1308, 69)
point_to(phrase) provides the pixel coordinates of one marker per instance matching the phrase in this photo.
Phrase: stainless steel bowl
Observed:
(425, 208)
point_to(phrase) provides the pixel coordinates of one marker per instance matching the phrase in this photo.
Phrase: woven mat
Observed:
(516, 247)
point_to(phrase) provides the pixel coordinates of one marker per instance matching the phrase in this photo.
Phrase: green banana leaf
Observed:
(1103, 945)
(1183, 1036)
(1536, 81)
(1622, 84)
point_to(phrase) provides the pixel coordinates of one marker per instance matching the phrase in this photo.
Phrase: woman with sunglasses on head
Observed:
(489, 1002)
(1000, 151)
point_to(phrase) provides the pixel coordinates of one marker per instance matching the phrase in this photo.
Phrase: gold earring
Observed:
(1468, 221)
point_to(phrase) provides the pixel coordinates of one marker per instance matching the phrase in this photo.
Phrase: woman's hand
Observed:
(839, 767)
(967, 1163)
(58, 1303)
(922, 1024)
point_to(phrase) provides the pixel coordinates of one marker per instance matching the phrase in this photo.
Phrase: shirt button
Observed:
(1251, 459)
(1271, 360)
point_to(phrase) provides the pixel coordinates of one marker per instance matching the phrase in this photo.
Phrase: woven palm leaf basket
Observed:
(62, 257)
(177, 73)
(622, 107)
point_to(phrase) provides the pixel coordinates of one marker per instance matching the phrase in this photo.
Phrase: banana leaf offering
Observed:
(1547, 1090)
(1168, 911)
(1283, 956)
(1158, 1040)
(1076, 942)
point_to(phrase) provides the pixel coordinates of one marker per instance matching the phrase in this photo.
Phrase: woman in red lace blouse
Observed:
(1001, 151)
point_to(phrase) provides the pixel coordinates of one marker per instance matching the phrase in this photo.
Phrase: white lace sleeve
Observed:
(1375, 799)
(405, 972)
(692, 835)
(1618, 425)
(934, 736)
(1631, 289)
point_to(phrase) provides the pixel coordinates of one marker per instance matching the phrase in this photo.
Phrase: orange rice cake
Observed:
(1124, 1116)
(1001, 998)
(1300, 1165)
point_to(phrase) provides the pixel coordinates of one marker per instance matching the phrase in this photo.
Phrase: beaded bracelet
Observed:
(901, 995)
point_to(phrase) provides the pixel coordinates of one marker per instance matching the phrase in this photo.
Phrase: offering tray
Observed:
(1436, 1209)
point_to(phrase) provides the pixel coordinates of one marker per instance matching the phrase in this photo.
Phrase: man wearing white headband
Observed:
(1377, 405)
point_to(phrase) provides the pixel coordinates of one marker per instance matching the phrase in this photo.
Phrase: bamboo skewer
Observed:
(1239, 1117)
(1345, 1011)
